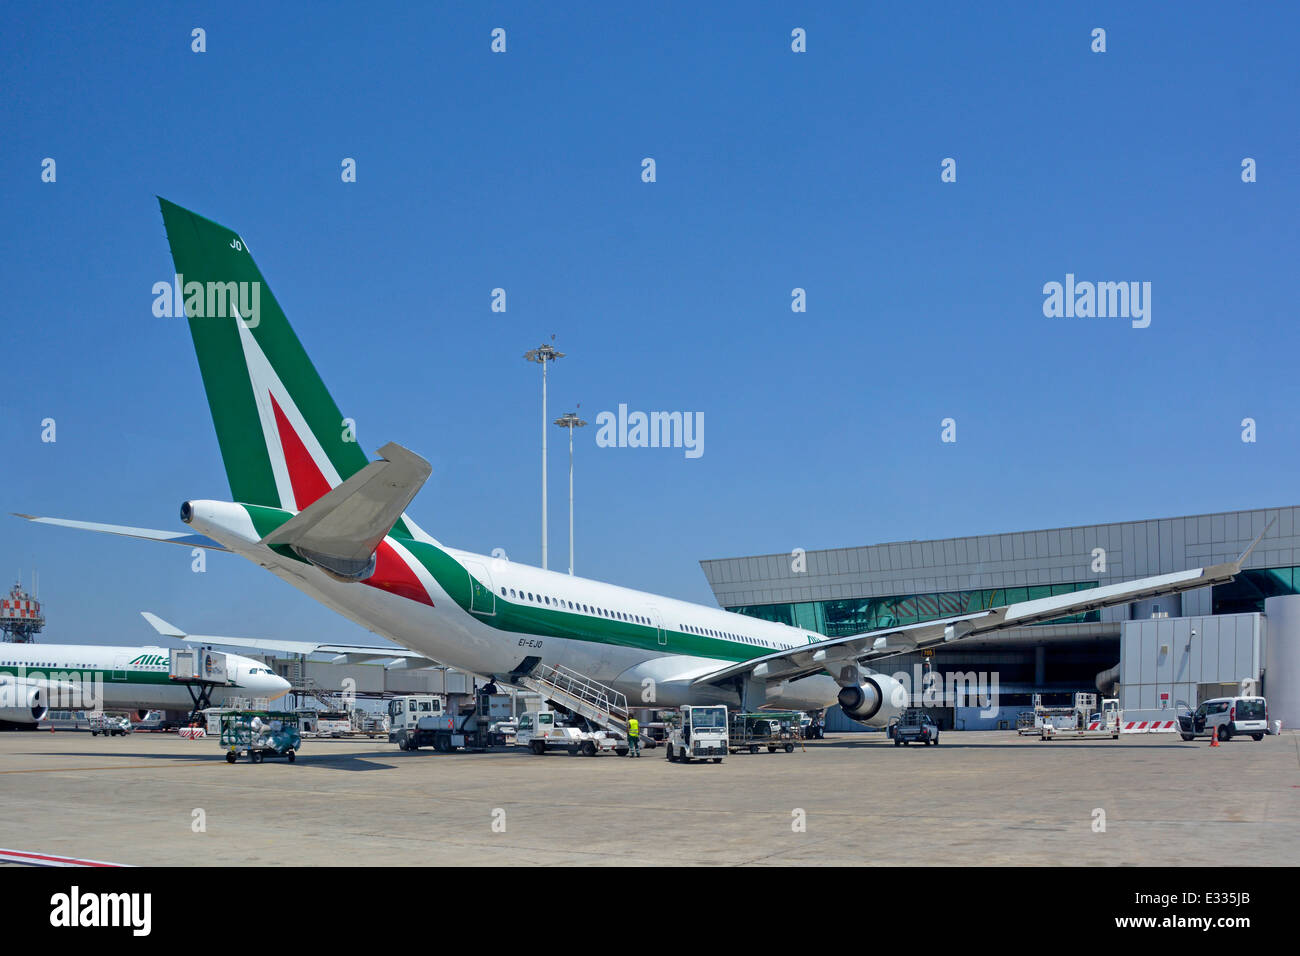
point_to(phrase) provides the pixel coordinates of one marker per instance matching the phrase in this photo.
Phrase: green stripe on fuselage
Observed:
(515, 617)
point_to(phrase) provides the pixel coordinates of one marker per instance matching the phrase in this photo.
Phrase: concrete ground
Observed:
(979, 798)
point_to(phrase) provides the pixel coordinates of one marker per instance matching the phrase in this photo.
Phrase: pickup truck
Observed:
(914, 725)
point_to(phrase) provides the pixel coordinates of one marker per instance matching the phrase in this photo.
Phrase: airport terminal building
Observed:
(1182, 647)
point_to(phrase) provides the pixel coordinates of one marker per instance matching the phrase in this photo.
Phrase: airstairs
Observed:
(579, 695)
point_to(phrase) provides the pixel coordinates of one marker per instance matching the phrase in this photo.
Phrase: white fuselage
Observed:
(447, 633)
(126, 677)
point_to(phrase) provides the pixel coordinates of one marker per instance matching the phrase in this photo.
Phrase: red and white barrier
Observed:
(1149, 727)
(48, 859)
(192, 733)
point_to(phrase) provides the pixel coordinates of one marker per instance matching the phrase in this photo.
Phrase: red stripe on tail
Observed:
(304, 474)
(393, 575)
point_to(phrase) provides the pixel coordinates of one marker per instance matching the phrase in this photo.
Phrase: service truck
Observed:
(1084, 723)
(544, 730)
(421, 720)
(698, 732)
(110, 725)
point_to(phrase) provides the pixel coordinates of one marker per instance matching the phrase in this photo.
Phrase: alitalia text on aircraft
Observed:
(38, 678)
(314, 510)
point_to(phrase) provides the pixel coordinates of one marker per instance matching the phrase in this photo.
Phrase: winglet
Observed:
(162, 627)
(1245, 554)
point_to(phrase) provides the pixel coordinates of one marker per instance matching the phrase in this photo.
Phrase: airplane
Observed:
(309, 505)
(36, 678)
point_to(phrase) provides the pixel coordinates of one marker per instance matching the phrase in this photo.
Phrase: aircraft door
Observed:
(482, 594)
(659, 626)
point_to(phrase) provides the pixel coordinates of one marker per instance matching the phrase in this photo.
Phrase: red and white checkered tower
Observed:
(20, 616)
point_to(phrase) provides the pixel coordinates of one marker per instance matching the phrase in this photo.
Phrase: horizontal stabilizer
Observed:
(182, 538)
(340, 531)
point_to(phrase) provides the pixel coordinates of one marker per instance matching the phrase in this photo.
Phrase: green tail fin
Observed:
(283, 440)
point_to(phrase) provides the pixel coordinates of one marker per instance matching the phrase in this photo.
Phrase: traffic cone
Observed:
(1214, 738)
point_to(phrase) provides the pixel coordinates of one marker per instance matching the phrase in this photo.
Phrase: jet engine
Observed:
(874, 700)
(22, 701)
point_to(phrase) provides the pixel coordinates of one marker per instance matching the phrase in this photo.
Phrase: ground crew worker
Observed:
(633, 738)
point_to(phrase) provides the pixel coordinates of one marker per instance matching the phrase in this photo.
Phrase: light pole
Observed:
(570, 421)
(542, 355)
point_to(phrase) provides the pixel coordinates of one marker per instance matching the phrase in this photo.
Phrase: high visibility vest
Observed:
(633, 728)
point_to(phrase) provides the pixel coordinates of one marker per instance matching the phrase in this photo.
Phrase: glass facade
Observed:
(1248, 591)
(855, 615)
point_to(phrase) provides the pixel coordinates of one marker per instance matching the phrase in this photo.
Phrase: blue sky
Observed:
(775, 170)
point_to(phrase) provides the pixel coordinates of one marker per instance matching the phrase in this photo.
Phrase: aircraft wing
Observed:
(830, 655)
(343, 653)
(149, 534)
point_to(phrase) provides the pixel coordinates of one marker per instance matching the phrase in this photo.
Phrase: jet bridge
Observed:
(200, 669)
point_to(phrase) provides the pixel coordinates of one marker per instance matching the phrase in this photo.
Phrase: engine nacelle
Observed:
(140, 715)
(874, 701)
(22, 701)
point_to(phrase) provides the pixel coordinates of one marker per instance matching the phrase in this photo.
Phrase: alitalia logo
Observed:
(151, 660)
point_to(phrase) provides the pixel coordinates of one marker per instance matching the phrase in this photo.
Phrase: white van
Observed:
(1231, 715)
